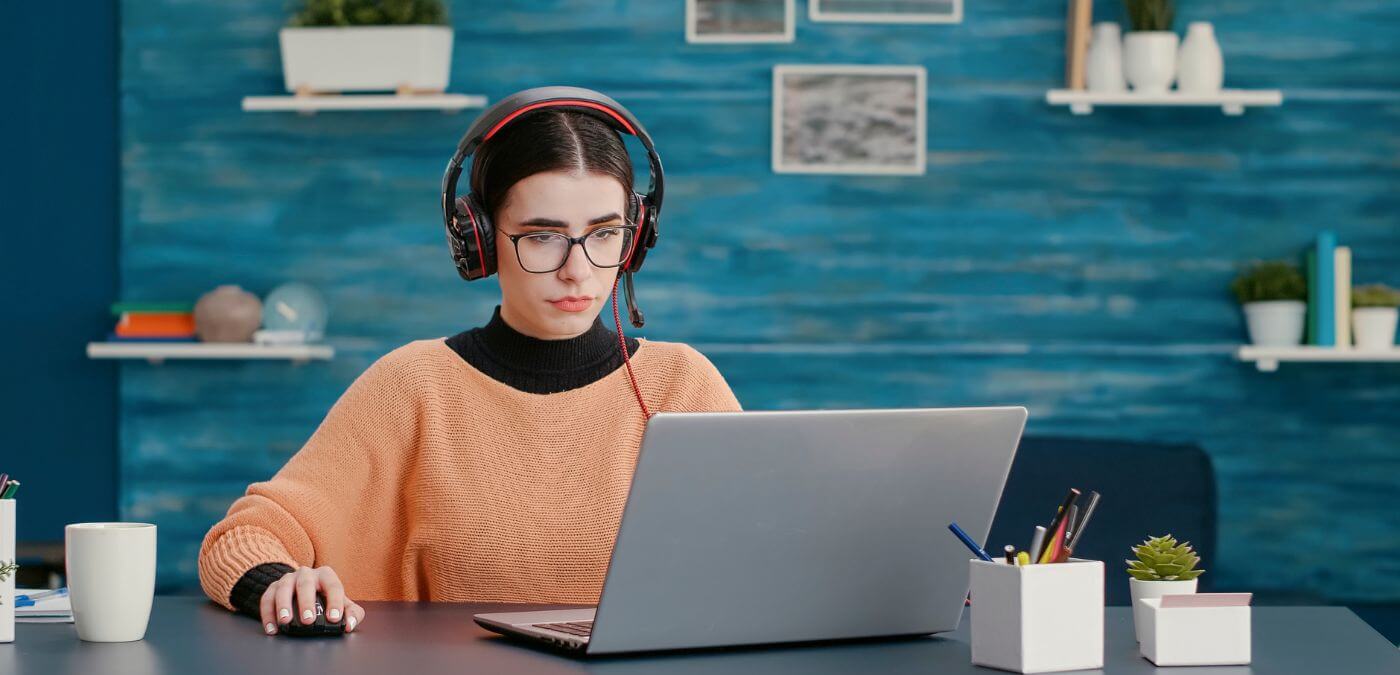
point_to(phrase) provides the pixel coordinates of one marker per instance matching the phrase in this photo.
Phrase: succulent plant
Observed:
(1150, 15)
(1375, 295)
(1164, 559)
(370, 13)
(1270, 280)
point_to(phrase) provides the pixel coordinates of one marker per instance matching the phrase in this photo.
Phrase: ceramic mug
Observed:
(111, 579)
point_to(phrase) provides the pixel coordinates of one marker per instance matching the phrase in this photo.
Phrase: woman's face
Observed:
(574, 204)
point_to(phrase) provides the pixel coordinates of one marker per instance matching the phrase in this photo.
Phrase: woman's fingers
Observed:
(267, 609)
(282, 597)
(306, 594)
(335, 595)
(355, 615)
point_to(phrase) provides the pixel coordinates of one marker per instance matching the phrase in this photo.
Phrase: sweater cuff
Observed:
(224, 561)
(246, 596)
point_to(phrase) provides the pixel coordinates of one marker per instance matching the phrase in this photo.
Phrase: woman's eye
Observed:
(605, 234)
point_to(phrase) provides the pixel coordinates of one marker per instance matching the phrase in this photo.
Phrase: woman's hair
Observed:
(552, 140)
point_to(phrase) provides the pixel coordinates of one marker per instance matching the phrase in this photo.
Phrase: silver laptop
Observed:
(769, 527)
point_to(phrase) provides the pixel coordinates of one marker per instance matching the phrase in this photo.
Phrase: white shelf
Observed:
(314, 103)
(1230, 101)
(1266, 359)
(157, 352)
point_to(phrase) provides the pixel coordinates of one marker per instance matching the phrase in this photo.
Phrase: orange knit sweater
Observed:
(429, 480)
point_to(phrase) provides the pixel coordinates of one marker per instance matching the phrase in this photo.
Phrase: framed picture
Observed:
(849, 119)
(739, 21)
(886, 11)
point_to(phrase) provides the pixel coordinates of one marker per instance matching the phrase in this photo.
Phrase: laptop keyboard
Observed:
(579, 628)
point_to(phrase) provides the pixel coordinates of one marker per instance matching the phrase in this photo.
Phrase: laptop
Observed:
(791, 526)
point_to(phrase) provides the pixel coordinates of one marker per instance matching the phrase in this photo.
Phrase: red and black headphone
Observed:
(470, 233)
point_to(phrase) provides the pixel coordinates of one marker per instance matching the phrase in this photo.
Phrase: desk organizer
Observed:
(7, 555)
(1215, 632)
(1037, 618)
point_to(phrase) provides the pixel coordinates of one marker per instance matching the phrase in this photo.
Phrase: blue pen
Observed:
(966, 540)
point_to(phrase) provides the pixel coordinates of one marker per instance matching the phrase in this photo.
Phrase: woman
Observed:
(491, 465)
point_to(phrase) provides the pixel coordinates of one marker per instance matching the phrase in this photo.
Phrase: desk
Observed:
(192, 635)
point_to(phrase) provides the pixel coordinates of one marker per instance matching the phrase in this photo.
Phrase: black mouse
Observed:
(321, 627)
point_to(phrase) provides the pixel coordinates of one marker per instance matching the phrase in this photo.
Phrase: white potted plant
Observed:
(1149, 50)
(1274, 297)
(367, 45)
(1160, 566)
(1373, 316)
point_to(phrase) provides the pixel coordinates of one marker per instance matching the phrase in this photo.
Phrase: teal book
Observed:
(1326, 266)
(1310, 326)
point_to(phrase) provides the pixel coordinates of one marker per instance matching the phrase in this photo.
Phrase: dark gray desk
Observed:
(192, 635)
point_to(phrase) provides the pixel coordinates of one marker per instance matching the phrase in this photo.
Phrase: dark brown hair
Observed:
(552, 140)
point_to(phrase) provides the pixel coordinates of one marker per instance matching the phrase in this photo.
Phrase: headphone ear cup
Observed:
(646, 231)
(473, 242)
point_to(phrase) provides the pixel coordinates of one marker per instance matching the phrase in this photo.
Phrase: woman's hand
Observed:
(277, 602)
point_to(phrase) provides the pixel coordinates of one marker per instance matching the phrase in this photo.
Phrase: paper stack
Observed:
(39, 605)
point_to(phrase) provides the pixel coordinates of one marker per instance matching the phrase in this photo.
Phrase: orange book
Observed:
(155, 324)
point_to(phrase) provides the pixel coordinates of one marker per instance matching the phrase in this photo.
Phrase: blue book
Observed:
(1326, 316)
(113, 337)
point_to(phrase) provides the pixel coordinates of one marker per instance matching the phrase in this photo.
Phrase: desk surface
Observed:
(190, 634)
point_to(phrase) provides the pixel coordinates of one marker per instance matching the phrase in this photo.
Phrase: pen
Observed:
(967, 541)
(1023, 558)
(1037, 541)
(4, 478)
(11, 490)
(1056, 532)
(1093, 501)
(1010, 554)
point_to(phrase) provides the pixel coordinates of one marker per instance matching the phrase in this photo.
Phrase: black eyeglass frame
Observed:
(515, 244)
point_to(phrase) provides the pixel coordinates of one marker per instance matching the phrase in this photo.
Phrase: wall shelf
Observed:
(309, 104)
(1266, 359)
(158, 352)
(1230, 101)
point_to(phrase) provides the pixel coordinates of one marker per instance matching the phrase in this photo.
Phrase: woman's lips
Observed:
(572, 304)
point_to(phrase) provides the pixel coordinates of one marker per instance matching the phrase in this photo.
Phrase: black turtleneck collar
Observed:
(540, 366)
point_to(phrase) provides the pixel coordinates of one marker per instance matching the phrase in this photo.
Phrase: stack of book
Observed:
(153, 321)
(1329, 292)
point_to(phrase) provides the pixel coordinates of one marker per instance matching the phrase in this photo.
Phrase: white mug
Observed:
(111, 579)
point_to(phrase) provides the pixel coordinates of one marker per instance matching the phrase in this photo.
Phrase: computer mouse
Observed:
(321, 627)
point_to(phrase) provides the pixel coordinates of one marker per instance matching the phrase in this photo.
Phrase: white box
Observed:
(7, 554)
(366, 58)
(1037, 618)
(1195, 636)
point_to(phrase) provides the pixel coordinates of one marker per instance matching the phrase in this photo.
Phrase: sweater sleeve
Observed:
(325, 498)
(705, 388)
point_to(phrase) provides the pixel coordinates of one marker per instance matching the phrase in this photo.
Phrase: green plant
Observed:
(1163, 559)
(1150, 14)
(6, 569)
(1375, 295)
(1270, 280)
(370, 13)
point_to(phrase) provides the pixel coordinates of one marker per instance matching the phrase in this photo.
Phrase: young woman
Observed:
(491, 465)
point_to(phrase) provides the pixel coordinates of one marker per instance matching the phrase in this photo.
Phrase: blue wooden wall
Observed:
(1076, 265)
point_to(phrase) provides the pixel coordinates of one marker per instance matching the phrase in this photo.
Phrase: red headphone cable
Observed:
(626, 360)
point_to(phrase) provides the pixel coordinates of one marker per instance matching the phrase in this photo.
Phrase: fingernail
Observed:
(333, 615)
(352, 624)
(307, 615)
(271, 628)
(284, 614)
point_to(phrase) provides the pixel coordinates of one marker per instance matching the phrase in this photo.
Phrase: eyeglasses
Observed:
(542, 252)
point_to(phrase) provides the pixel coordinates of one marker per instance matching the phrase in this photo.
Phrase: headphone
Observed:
(470, 233)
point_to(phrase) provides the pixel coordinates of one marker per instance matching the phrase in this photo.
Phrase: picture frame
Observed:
(818, 108)
(886, 11)
(740, 21)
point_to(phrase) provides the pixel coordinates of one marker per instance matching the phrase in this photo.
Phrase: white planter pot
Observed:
(1105, 69)
(1276, 323)
(1200, 69)
(1149, 60)
(366, 58)
(1374, 327)
(1153, 589)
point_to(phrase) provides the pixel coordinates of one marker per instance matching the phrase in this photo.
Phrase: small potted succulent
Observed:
(367, 45)
(1373, 316)
(1149, 49)
(1274, 297)
(1160, 566)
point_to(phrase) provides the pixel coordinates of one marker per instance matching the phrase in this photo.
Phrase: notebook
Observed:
(49, 606)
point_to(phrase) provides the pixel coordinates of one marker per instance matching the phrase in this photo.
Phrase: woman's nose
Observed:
(577, 265)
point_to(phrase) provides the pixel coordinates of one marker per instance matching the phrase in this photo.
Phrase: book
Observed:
(1310, 323)
(1077, 28)
(155, 324)
(1342, 295)
(118, 308)
(113, 337)
(1326, 284)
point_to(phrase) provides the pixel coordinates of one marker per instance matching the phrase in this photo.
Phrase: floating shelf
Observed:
(1266, 359)
(313, 103)
(1230, 101)
(157, 352)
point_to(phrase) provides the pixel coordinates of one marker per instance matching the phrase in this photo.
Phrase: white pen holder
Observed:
(1037, 618)
(1195, 636)
(7, 555)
